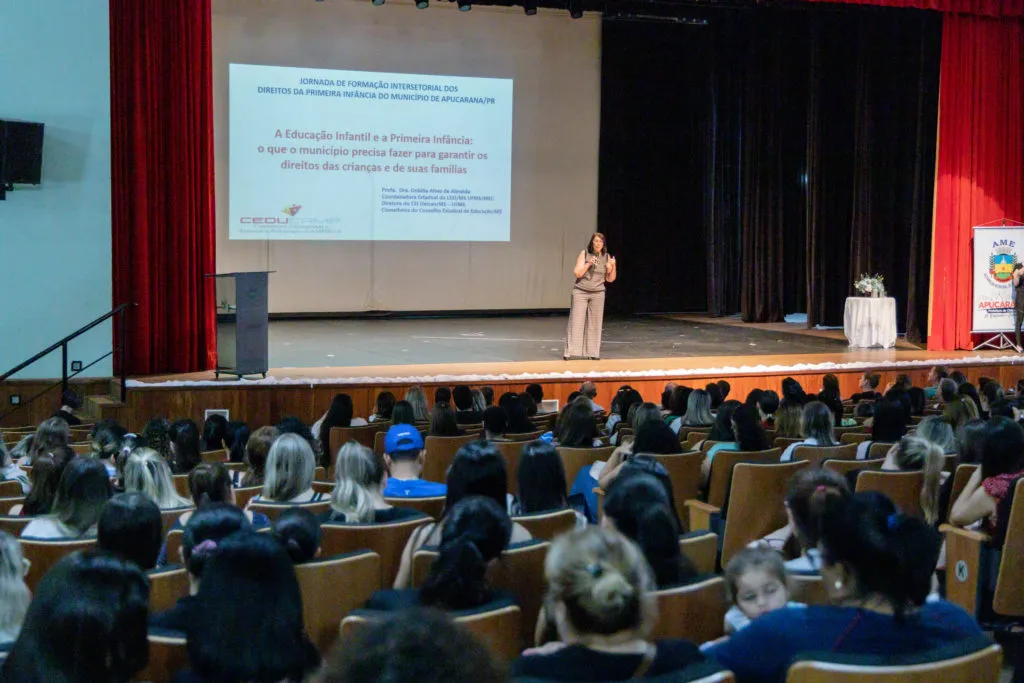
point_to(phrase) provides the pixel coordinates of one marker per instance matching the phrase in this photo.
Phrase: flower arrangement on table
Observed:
(870, 285)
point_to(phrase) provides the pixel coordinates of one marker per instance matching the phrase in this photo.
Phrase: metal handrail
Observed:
(63, 346)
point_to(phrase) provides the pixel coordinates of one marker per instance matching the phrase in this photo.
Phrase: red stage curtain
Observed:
(980, 169)
(988, 8)
(162, 177)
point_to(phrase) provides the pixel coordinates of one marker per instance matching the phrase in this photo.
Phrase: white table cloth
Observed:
(870, 322)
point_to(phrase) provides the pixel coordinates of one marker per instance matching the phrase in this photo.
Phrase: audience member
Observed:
(210, 482)
(421, 645)
(87, 624)
(131, 527)
(698, 411)
(185, 446)
(293, 425)
(789, 420)
(246, 623)
(991, 393)
(639, 507)
(541, 482)
(678, 403)
(748, 435)
(200, 542)
(954, 411)
(442, 396)
(579, 429)
(767, 407)
(11, 472)
(1002, 463)
(724, 388)
(793, 392)
(624, 400)
(236, 438)
(479, 402)
(722, 430)
(417, 398)
(403, 414)
(146, 472)
(959, 377)
(753, 396)
(46, 475)
(70, 404)
(476, 531)
(105, 443)
(291, 466)
(877, 568)
(488, 393)
(462, 396)
(970, 442)
(157, 435)
(868, 386)
(937, 431)
(358, 496)
(935, 376)
(888, 425)
(864, 411)
(256, 451)
(443, 421)
(518, 419)
(536, 391)
(972, 401)
(83, 490)
(495, 421)
(21, 450)
(340, 414)
(834, 402)
(599, 594)
(817, 429)
(298, 532)
(715, 393)
(215, 432)
(913, 454)
(385, 406)
(403, 455)
(14, 594)
(51, 433)
(756, 583)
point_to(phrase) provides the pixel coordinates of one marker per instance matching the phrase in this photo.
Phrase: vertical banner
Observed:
(996, 249)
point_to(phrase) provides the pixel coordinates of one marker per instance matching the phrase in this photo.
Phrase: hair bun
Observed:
(611, 590)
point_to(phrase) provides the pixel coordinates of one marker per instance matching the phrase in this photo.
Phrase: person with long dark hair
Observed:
(594, 267)
(384, 408)
(579, 429)
(131, 526)
(877, 567)
(215, 429)
(339, 414)
(185, 446)
(236, 438)
(541, 479)
(83, 491)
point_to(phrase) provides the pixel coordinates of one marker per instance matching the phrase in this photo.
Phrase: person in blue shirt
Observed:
(877, 566)
(403, 453)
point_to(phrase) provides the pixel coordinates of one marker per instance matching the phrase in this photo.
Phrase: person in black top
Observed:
(869, 382)
(69, 403)
(462, 396)
(599, 591)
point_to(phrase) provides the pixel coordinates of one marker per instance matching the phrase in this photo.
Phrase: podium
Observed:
(242, 323)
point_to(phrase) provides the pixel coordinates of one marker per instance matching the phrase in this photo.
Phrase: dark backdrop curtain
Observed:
(162, 177)
(790, 149)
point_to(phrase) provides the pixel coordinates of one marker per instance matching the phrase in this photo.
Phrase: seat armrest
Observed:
(701, 514)
(963, 566)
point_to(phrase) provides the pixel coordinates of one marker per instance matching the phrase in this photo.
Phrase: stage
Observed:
(313, 360)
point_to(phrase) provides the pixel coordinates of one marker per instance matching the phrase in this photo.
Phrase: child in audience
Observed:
(299, 533)
(291, 466)
(83, 490)
(599, 592)
(756, 581)
(14, 594)
(146, 472)
(131, 527)
(358, 496)
(247, 622)
(475, 533)
(87, 622)
(877, 567)
(412, 645)
(199, 544)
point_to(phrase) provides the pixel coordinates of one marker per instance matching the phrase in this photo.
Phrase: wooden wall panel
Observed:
(47, 404)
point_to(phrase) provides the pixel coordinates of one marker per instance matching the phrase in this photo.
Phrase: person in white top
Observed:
(756, 581)
(83, 491)
(338, 415)
(589, 389)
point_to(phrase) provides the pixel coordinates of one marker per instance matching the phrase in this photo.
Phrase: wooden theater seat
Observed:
(547, 525)
(575, 459)
(219, 455)
(902, 488)
(274, 510)
(816, 455)
(168, 654)
(13, 524)
(684, 473)
(10, 489)
(854, 437)
(365, 435)
(166, 587)
(844, 467)
(809, 589)
(181, 485)
(245, 494)
(333, 587)
(171, 515)
(387, 540)
(701, 548)
(45, 553)
(525, 437)
(695, 611)
(721, 471)
(511, 451)
(960, 478)
(431, 506)
(439, 452)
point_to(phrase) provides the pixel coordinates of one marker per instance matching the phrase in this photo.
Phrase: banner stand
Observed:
(996, 247)
(999, 342)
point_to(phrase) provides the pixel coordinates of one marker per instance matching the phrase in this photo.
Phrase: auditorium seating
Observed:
(903, 488)
(816, 455)
(14, 524)
(166, 587)
(722, 466)
(387, 540)
(10, 489)
(695, 611)
(273, 510)
(333, 587)
(701, 548)
(432, 506)
(844, 467)
(171, 515)
(511, 451)
(246, 493)
(439, 451)
(168, 655)
(365, 435)
(575, 459)
(547, 525)
(960, 478)
(43, 554)
(219, 455)
(684, 473)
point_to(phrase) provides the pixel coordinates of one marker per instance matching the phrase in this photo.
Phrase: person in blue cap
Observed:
(403, 453)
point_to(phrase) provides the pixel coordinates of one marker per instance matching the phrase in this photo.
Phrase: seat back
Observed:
(854, 437)
(878, 449)
(438, 453)
(333, 587)
(432, 506)
(701, 548)
(273, 510)
(695, 612)
(684, 473)
(170, 516)
(181, 486)
(246, 493)
(167, 656)
(525, 436)
(219, 455)
(809, 589)
(166, 587)
(387, 540)
(844, 467)
(378, 442)
(13, 524)
(43, 554)
(902, 488)
(546, 525)
(981, 666)
(722, 466)
(575, 459)
(173, 542)
(10, 489)
(960, 478)
(1008, 599)
(761, 493)
(511, 452)
(520, 572)
(365, 435)
(816, 455)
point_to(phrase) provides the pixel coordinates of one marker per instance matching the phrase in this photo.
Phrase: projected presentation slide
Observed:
(320, 154)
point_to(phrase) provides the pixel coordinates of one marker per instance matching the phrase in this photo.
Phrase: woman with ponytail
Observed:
(877, 567)
(638, 507)
(477, 531)
(914, 454)
(358, 496)
(600, 596)
(146, 472)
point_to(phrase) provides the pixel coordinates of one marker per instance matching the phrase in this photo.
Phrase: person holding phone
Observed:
(594, 268)
(1018, 302)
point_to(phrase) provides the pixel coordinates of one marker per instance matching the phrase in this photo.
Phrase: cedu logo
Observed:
(291, 210)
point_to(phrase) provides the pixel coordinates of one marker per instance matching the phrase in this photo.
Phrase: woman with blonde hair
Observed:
(146, 472)
(417, 398)
(291, 466)
(14, 594)
(50, 434)
(600, 596)
(913, 454)
(358, 496)
(789, 420)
